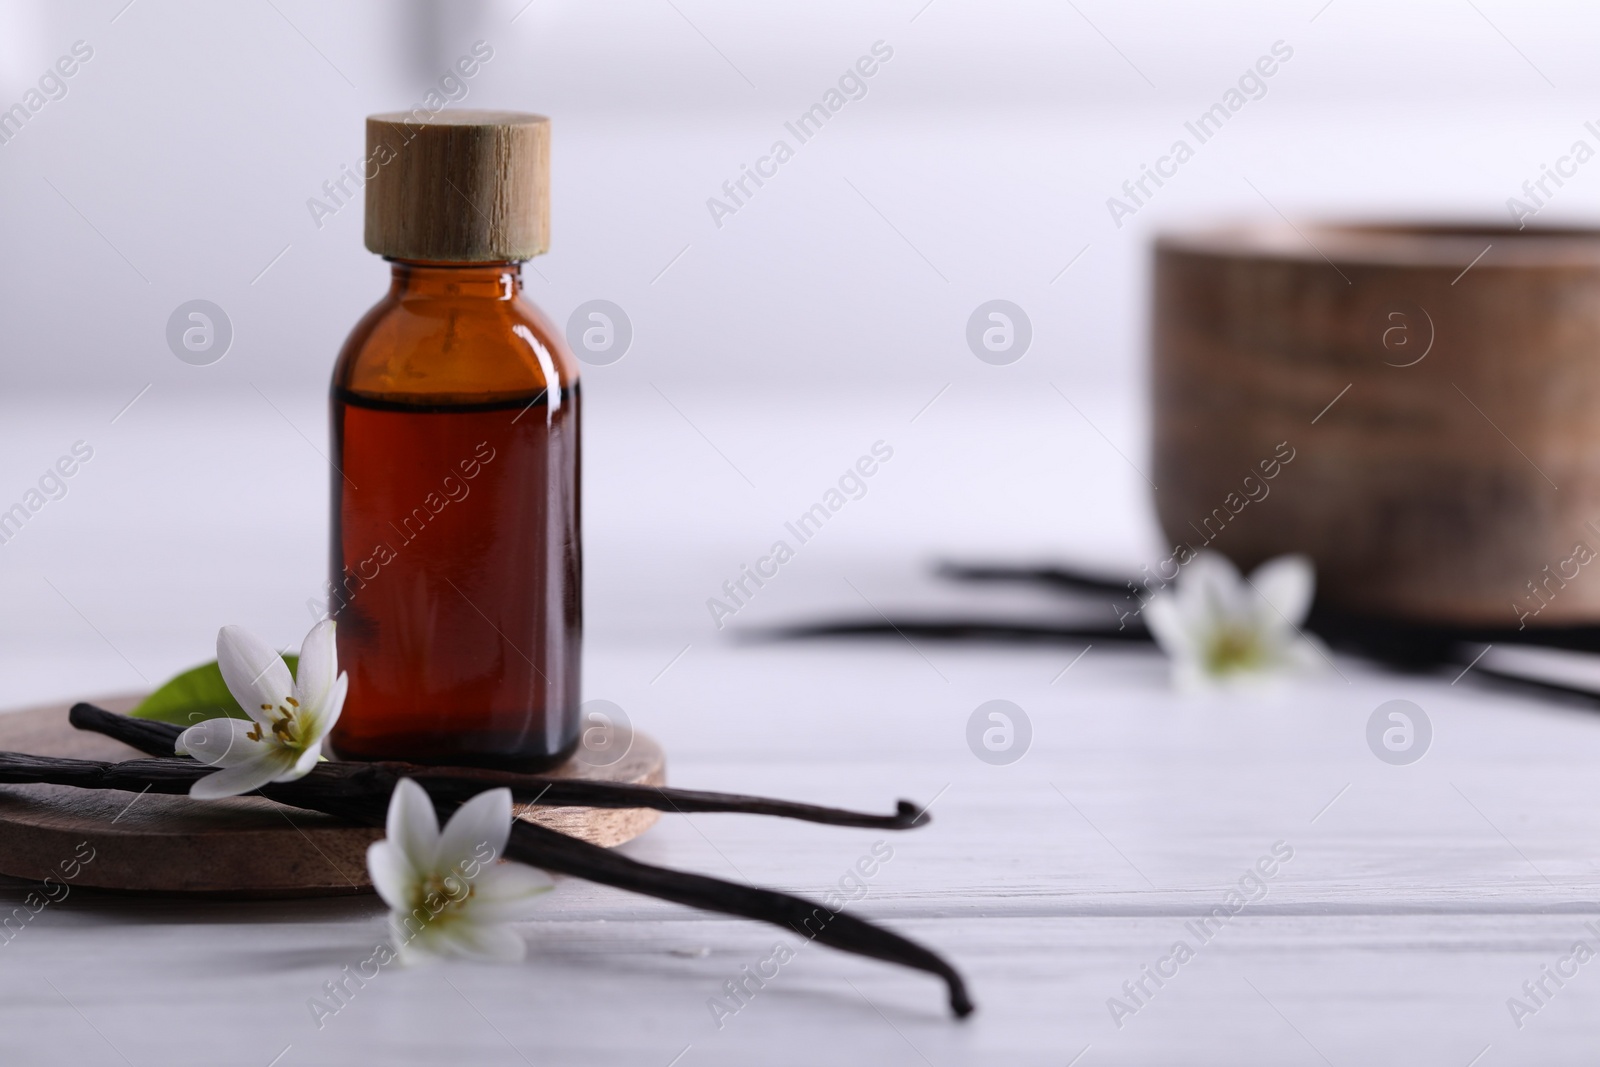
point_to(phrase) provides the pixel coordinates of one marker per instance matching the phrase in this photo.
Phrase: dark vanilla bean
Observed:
(553, 851)
(147, 735)
(1067, 578)
(362, 797)
(958, 629)
(157, 739)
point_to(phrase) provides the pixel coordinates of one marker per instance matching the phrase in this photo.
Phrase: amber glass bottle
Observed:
(456, 565)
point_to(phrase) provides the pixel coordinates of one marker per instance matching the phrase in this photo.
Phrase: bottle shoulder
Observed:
(436, 348)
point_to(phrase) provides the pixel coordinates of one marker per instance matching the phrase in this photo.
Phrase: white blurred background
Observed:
(769, 352)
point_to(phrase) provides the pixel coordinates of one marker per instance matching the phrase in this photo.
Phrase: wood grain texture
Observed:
(1418, 900)
(458, 186)
(1460, 455)
(243, 846)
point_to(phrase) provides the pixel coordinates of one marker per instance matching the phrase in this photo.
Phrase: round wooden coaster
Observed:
(244, 846)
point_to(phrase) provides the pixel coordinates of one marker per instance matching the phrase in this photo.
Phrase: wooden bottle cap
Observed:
(458, 186)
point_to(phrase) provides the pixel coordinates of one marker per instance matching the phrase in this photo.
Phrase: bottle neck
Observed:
(455, 281)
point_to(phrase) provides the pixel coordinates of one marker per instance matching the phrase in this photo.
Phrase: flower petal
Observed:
(1166, 623)
(410, 942)
(1188, 676)
(419, 938)
(392, 874)
(483, 942)
(507, 892)
(1288, 583)
(221, 742)
(303, 764)
(413, 826)
(1210, 588)
(319, 663)
(254, 672)
(333, 706)
(1307, 654)
(485, 820)
(241, 778)
(313, 724)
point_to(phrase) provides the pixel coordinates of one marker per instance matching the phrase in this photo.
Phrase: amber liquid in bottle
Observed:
(456, 569)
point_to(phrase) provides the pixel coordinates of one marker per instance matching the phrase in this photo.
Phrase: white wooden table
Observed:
(1418, 900)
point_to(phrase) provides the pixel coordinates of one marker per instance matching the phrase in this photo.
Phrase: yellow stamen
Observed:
(1234, 648)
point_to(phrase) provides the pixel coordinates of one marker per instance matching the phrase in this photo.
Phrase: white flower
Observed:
(446, 894)
(1221, 628)
(289, 716)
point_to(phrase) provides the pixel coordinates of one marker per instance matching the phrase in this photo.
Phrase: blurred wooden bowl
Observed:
(1438, 387)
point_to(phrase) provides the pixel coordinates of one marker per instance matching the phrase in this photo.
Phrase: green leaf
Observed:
(196, 694)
